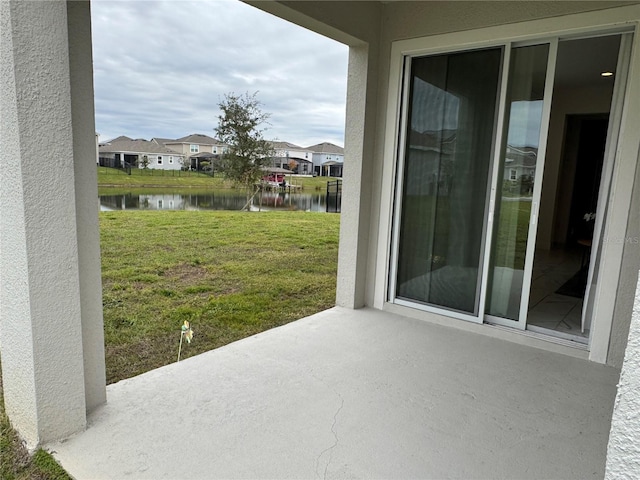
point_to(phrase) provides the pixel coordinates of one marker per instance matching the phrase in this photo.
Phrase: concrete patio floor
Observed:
(354, 394)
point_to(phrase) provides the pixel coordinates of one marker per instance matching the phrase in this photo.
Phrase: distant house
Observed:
(520, 163)
(197, 147)
(122, 152)
(292, 157)
(327, 159)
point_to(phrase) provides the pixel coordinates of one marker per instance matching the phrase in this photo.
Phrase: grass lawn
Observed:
(161, 178)
(231, 274)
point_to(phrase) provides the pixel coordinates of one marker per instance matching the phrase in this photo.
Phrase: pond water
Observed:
(160, 199)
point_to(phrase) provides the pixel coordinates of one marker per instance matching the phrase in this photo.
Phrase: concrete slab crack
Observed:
(329, 450)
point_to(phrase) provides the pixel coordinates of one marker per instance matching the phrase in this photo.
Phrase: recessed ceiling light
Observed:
(607, 74)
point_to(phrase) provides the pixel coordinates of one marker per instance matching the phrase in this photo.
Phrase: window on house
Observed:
(170, 159)
(194, 148)
(513, 174)
(159, 160)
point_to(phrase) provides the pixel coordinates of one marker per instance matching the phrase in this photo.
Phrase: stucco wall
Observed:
(407, 19)
(51, 332)
(351, 22)
(41, 336)
(87, 202)
(623, 454)
(628, 279)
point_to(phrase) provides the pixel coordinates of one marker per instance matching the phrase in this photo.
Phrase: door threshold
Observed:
(553, 336)
(558, 334)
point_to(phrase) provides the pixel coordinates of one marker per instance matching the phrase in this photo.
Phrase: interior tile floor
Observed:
(548, 309)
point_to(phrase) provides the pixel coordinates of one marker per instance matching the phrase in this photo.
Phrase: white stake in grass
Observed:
(185, 333)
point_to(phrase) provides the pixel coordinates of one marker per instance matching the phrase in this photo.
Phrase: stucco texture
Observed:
(623, 456)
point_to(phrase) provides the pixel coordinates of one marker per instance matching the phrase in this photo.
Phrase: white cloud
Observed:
(162, 67)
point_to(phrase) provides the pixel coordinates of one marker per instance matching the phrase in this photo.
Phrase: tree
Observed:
(240, 127)
(144, 161)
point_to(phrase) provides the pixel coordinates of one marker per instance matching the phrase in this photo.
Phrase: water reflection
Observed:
(208, 200)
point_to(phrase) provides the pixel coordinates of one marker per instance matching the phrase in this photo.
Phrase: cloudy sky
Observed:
(162, 67)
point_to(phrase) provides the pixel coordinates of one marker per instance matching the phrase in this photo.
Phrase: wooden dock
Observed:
(276, 187)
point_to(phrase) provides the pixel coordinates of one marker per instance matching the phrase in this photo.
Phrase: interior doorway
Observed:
(561, 266)
(560, 274)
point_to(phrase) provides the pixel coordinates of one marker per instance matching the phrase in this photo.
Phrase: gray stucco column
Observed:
(355, 221)
(623, 454)
(51, 333)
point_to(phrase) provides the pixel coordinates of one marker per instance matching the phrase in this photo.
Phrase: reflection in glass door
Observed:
(517, 191)
(448, 151)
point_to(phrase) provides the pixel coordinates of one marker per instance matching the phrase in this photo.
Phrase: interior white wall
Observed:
(565, 102)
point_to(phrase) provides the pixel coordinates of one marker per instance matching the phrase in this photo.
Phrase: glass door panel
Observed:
(516, 201)
(447, 156)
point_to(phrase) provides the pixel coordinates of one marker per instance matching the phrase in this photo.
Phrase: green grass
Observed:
(110, 177)
(158, 178)
(231, 274)
(15, 461)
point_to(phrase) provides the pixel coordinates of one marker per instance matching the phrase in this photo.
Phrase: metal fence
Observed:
(334, 196)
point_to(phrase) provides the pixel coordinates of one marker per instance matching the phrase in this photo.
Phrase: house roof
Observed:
(118, 139)
(442, 141)
(521, 156)
(136, 146)
(204, 155)
(162, 141)
(287, 145)
(300, 160)
(326, 147)
(196, 138)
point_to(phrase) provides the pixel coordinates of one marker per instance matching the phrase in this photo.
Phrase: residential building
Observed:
(122, 152)
(292, 157)
(197, 148)
(328, 159)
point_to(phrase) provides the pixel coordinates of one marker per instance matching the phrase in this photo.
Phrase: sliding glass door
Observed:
(519, 174)
(447, 150)
(470, 169)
